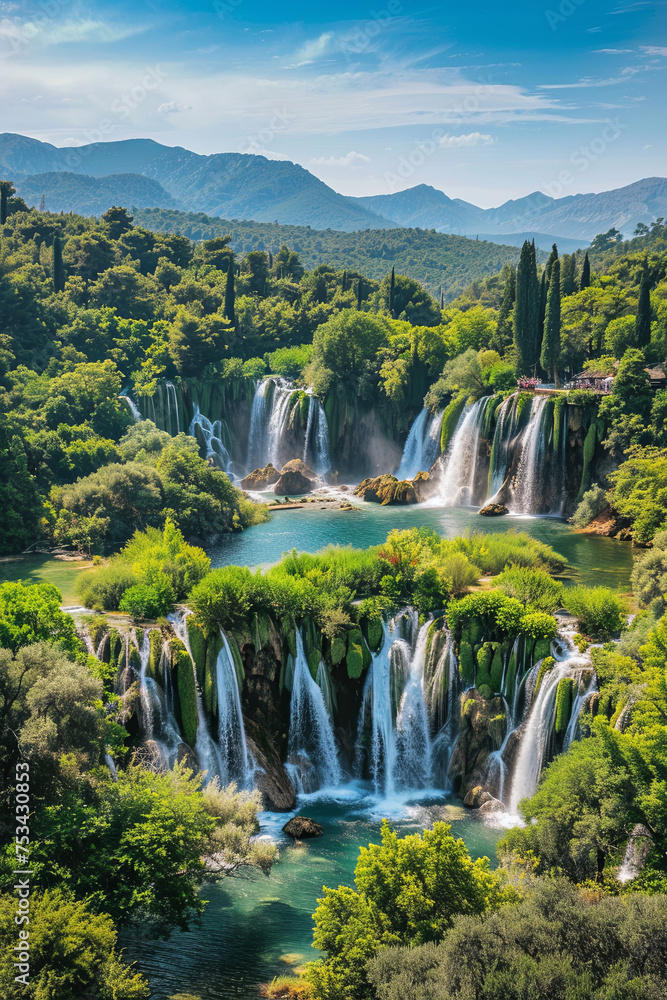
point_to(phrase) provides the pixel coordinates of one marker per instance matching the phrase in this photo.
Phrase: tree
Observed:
(526, 313)
(643, 324)
(585, 280)
(568, 276)
(58, 269)
(230, 294)
(504, 330)
(551, 342)
(217, 253)
(604, 241)
(344, 346)
(7, 189)
(392, 291)
(116, 221)
(32, 613)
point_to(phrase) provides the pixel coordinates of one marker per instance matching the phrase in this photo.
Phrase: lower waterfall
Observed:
(210, 434)
(159, 725)
(459, 471)
(422, 446)
(312, 753)
(236, 761)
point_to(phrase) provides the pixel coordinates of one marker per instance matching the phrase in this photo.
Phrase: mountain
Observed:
(244, 186)
(68, 192)
(577, 217)
(543, 241)
(235, 185)
(440, 261)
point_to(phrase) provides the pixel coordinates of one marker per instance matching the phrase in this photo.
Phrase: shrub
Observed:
(105, 588)
(145, 600)
(598, 610)
(649, 575)
(30, 614)
(592, 503)
(531, 586)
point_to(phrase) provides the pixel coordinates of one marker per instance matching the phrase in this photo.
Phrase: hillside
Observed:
(83, 195)
(437, 260)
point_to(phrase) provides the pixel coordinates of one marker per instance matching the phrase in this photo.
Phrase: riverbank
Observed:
(46, 568)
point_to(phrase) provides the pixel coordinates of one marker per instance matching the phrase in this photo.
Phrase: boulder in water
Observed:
(259, 478)
(494, 510)
(296, 465)
(390, 491)
(301, 827)
(293, 482)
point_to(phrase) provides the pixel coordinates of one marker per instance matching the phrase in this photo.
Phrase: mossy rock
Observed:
(542, 649)
(139, 636)
(547, 664)
(289, 637)
(466, 662)
(483, 680)
(563, 704)
(238, 659)
(375, 634)
(213, 647)
(484, 657)
(473, 632)
(155, 658)
(354, 660)
(356, 638)
(486, 691)
(198, 646)
(187, 694)
(135, 658)
(338, 649)
(115, 647)
(261, 630)
(313, 658)
(496, 670)
(450, 419)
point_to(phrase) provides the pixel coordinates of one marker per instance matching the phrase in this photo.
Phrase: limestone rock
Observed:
(389, 491)
(296, 465)
(260, 478)
(301, 827)
(293, 483)
(271, 778)
(494, 510)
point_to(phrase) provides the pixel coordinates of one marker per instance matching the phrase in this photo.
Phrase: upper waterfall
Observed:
(460, 464)
(279, 432)
(422, 445)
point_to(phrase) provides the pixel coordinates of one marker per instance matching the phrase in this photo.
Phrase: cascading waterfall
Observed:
(211, 433)
(269, 420)
(158, 722)
(504, 434)
(320, 440)
(173, 414)
(311, 738)
(257, 422)
(459, 472)
(539, 723)
(413, 739)
(236, 761)
(443, 692)
(277, 422)
(134, 409)
(422, 445)
(528, 486)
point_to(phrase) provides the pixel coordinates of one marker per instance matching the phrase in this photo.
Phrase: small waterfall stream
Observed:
(460, 464)
(528, 480)
(270, 423)
(311, 741)
(422, 445)
(236, 761)
(414, 768)
(134, 409)
(157, 719)
(211, 434)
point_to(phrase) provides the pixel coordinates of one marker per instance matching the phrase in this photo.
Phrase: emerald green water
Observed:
(599, 561)
(257, 927)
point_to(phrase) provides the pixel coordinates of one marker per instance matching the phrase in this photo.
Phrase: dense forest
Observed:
(94, 309)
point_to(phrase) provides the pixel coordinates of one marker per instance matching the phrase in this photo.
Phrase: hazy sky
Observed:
(484, 100)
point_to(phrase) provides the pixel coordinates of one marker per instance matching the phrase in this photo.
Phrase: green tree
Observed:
(504, 330)
(32, 613)
(526, 313)
(116, 221)
(230, 294)
(551, 342)
(643, 323)
(568, 275)
(58, 270)
(585, 280)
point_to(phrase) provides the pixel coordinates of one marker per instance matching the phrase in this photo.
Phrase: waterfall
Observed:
(158, 722)
(443, 691)
(538, 728)
(237, 764)
(459, 472)
(311, 742)
(173, 417)
(134, 409)
(208, 753)
(393, 732)
(528, 486)
(320, 443)
(257, 422)
(277, 422)
(212, 435)
(504, 434)
(422, 445)
(270, 423)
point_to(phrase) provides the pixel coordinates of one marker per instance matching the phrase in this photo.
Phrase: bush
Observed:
(30, 614)
(289, 361)
(592, 503)
(147, 600)
(599, 611)
(649, 575)
(531, 586)
(104, 589)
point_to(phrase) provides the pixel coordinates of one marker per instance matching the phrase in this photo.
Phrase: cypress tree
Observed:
(359, 292)
(230, 295)
(442, 297)
(643, 322)
(58, 270)
(568, 281)
(392, 288)
(6, 188)
(504, 331)
(585, 280)
(544, 287)
(527, 311)
(551, 341)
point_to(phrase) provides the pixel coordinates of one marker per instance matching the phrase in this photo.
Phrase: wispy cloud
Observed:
(171, 107)
(312, 51)
(471, 139)
(340, 161)
(654, 50)
(614, 52)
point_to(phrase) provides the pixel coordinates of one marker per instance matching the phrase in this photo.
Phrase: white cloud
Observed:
(471, 139)
(20, 35)
(654, 50)
(312, 51)
(614, 52)
(171, 107)
(340, 161)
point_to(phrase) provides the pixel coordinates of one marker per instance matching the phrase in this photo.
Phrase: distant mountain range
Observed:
(145, 174)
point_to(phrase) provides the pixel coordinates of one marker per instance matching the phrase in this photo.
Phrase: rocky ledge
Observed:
(259, 479)
(494, 510)
(295, 477)
(301, 827)
(388, 490)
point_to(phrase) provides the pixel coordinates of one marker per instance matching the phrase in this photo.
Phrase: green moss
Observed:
(486, 691)
(238, 659)
(187, 694)
(546, 665)
(354, 660)
(338, 649)
(558, 420)
(563, 704)
(153, 670)
(450, 419)
(589, 454)
(213, 647)
(135, 658)
(496, 669)
(466, 662)
(139, 635)
(375, 635)
(115, 647)
(484, 657)
(355, 638)
(197, 645)
(523, 403)
(542, 649)
(313, 658)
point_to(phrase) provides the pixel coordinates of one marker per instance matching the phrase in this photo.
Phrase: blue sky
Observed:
(483, 100)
